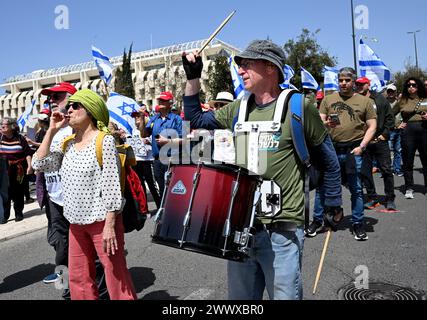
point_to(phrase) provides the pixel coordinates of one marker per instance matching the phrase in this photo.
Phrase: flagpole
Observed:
(354, 37)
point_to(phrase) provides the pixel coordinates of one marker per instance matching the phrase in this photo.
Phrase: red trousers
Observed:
(85, 243)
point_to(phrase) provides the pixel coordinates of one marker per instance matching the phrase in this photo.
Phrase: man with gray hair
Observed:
(275, 258)
(351, 119)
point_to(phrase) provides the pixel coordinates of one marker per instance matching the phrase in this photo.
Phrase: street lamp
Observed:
(415, 44)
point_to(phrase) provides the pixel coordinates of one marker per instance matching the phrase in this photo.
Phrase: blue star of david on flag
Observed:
(121, 108)
(130, 106)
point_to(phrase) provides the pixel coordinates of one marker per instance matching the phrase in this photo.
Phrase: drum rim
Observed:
(226, 167)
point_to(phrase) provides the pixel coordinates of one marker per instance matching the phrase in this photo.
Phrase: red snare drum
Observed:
(205, 228)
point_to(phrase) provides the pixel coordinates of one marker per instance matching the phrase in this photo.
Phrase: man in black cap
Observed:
(275, 258)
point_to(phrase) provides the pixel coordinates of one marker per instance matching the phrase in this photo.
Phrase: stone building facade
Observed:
(154, 71)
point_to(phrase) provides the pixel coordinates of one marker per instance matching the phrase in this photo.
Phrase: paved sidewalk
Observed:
(34, 220)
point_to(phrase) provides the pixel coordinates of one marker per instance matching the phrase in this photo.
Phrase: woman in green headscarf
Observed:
(92, 197)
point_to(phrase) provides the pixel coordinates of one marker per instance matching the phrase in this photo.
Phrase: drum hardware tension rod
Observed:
(226, 231)
(187, 217)
(246, 235)
(167, 182)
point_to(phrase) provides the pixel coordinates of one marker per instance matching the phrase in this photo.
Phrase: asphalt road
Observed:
(396, 253)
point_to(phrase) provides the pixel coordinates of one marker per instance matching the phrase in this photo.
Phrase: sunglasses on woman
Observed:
(412, 85)
(73, 105)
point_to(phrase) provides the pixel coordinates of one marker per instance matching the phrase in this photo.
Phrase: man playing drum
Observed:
(275, 259)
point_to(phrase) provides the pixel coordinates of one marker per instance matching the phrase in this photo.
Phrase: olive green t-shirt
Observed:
(276, 149)
(353, 112)
(407, 107)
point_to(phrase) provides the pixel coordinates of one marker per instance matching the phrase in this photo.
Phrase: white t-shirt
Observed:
(53, 179)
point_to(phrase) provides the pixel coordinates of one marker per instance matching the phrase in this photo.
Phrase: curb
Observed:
(23, 233)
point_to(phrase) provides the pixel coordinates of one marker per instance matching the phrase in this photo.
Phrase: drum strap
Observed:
(296, 102)
(255, 128)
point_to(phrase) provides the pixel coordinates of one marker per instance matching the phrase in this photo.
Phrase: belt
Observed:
(278, 226)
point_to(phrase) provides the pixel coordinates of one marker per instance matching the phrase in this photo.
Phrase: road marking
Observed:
(201, 294)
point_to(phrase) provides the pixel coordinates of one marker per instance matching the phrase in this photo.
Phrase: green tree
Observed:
(409, 71)
(219, 77)
(307, 53)
(124, 83)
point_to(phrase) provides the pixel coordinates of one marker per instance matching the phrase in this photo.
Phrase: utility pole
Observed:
(354, 37)
(415, 45)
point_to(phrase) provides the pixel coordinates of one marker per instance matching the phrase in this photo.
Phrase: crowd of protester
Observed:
(359, 128)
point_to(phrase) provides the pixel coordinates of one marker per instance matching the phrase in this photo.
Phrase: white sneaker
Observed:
(409, 194)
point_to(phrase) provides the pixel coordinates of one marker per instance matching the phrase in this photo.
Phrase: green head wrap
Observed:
(94, 104)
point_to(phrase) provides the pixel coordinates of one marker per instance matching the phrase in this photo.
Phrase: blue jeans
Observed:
(356, 190)
(396, 148)
(275, 263)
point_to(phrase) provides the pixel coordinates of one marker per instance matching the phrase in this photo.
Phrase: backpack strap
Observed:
(298, 139)
(122, 151)
(98, 146)
(242, 125)
(66, 141)
(297, 128)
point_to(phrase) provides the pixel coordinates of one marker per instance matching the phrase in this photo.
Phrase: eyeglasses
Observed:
(246, 64)
(73, 105)
(413, 85)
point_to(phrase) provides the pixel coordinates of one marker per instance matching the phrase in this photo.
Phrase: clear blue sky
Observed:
(31, 42)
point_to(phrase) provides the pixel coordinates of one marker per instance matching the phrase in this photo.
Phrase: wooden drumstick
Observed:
(319, 270)
(217, 31)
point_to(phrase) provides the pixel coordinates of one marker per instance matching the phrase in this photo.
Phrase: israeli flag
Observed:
(308, 81)
(372, 67)
(121, 108)
(289, 74)
(239, 87)
(103, 64)
(23, 119)
(331, 79)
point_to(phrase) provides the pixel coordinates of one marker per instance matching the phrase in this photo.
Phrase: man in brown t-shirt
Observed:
(351, 119)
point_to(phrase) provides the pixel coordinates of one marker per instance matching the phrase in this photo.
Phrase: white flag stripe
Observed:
(308, 81)
(103, 64)
(330, 82)
(23, 119)
(372, 67)
(239, 88)
(289, 74)
(121, 108)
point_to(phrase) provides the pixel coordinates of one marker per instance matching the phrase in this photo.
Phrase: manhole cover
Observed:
(380, 291)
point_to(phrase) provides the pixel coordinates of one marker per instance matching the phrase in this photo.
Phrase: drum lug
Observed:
(244, 240)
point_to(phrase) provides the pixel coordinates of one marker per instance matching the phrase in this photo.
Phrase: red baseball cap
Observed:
(319, 95)
(45, 111)
(165, 96)
(60, 87)
(363, 80)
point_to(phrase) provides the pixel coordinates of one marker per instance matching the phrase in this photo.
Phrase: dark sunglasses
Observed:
(56, 96)
(73, 105)
(413, 85)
